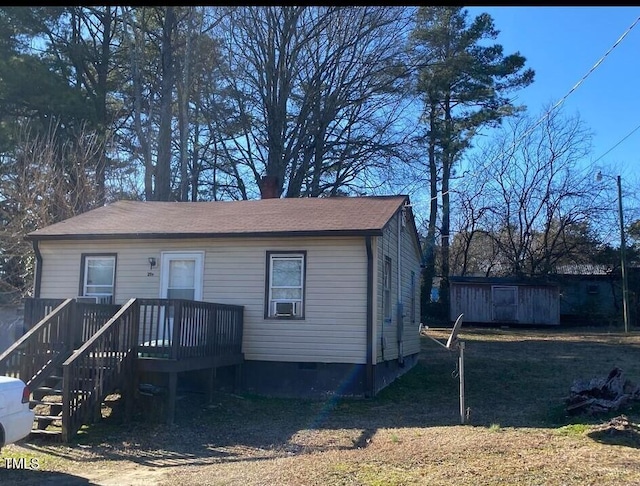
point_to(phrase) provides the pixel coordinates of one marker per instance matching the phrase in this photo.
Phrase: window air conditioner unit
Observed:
(83, 299)
(286, 309)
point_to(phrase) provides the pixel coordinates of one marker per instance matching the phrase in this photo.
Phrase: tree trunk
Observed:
(429, 256)
(183, 116)
(136, 78)
(447, 161)
(163, 165)
(101, 105)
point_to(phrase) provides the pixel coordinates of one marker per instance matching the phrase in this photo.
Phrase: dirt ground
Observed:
(517, 433)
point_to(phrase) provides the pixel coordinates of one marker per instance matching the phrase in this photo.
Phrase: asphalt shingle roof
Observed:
(302, 216)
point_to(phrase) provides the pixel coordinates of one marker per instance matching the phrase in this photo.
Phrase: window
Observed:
(412, 300)
(98, 277)
(386, 289)
(285, 285)
(181, 275)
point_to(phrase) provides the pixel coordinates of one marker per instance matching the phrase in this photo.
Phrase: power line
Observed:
(558, 103)
(623, 139)
(595, 66)
(563, 99)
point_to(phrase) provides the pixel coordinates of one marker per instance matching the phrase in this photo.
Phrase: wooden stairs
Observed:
(71, 360)
(76, 355)
(46, 402)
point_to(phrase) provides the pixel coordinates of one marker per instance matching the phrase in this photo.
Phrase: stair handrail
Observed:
(92, 371)
(49, 353)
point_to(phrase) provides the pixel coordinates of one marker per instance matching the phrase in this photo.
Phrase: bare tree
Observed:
(166, 17)
(540, 199)
(473, 251)
(175, 97)
(37, 189)
(95, 31)
(314, 93)
(143, 100)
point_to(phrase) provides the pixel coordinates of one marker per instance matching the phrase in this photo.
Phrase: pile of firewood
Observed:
(603, 394)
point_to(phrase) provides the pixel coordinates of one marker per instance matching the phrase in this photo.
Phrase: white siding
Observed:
(411, 255)
(334, 328)
(409, 262)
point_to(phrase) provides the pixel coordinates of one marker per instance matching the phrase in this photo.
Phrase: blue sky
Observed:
(562, 44)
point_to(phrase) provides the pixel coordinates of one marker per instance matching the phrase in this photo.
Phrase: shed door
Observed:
(505, 303)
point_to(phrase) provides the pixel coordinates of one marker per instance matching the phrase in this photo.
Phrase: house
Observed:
(505, 301)
(327, 288)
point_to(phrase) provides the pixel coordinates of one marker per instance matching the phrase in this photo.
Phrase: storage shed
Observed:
(505, 301)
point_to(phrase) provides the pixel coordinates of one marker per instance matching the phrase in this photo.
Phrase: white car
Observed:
(16, 418)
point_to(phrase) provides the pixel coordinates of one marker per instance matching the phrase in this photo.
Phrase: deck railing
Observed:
(182, 329)
(97, 367)
(90, 318)
(35, 309)
(87, 317)
(42, 348)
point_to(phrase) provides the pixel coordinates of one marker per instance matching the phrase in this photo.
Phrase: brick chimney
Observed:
(269, 187)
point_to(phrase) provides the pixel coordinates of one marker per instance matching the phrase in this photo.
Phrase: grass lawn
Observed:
(518, 432)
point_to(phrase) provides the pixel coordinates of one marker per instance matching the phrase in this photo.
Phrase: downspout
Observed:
(369, 375)
(399, 310)
(37, 283)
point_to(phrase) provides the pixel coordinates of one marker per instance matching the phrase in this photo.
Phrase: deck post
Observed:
(237, 382)
(129, 391)
(211, 381)
(177, 329)
(131, 384)
(171, 404)
(27, 320)
(76, 323)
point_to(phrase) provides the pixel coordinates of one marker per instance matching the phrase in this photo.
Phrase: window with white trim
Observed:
(285, 285)
(98, 277)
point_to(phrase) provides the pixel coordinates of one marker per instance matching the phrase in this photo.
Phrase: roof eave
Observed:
(169, 236)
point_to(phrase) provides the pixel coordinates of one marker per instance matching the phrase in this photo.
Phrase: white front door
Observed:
(180, 278)
(181, 275)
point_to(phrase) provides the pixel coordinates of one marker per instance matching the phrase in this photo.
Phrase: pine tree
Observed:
(463, 83)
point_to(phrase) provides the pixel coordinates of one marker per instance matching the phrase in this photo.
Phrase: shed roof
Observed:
(352, 216)
(520, 281)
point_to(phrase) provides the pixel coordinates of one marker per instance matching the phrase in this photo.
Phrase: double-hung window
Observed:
(285, 284)
(98, 277)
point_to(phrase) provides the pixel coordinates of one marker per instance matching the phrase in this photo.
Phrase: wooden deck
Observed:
(183, 335)
(98, 348)
(172, 334)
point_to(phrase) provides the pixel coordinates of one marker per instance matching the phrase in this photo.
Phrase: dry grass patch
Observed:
(518, 430)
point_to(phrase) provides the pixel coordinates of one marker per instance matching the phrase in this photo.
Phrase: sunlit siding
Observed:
(411, 255)
(387, 330)
(334, 327)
